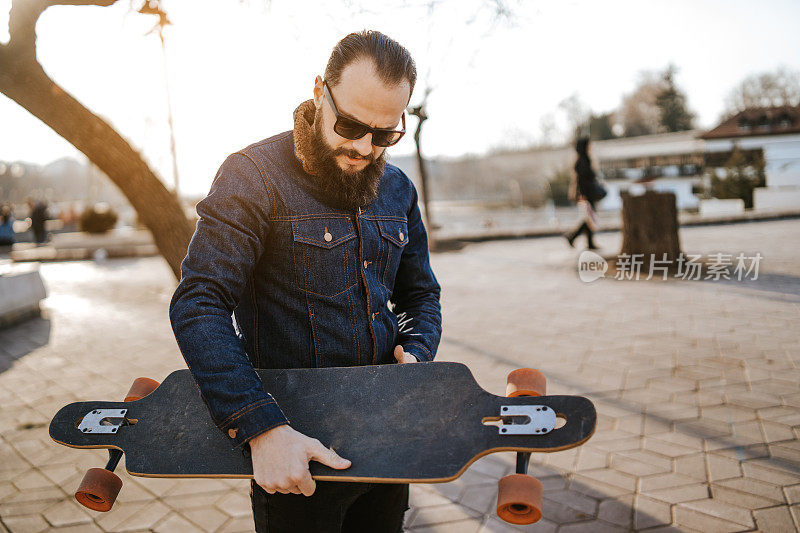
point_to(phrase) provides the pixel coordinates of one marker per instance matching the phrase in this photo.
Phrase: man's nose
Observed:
(363, 145)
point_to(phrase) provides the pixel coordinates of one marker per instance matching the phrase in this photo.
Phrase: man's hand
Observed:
(280, 460)
(403, 357)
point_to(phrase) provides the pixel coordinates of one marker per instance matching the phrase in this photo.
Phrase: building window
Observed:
(745, 125)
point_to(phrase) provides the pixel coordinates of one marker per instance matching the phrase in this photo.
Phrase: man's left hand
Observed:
(402, 356)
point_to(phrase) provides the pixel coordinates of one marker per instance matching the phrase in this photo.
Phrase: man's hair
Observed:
(392, 61)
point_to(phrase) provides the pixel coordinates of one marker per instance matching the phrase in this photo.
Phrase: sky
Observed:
(236, 69)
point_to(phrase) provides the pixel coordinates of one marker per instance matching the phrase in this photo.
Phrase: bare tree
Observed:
(767, 89)
(23, 80)
(422, 116)
(639, 114)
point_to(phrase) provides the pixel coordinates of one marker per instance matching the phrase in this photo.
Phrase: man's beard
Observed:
(340, 188)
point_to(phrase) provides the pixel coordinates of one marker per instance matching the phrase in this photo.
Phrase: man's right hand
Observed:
(280, 460)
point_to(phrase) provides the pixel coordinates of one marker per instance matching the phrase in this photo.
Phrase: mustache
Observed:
(353, 154)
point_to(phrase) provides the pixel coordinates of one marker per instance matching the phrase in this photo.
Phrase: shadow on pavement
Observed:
(565, 501)
(783, 287)
(21, 339)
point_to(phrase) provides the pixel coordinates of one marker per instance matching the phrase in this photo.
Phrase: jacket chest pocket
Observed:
(324, 255)
(393, 239)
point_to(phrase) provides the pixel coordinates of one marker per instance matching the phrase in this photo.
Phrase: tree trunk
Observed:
(650, 226)
(23, 80)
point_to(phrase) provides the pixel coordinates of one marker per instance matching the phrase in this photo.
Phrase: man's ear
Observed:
(318, 91)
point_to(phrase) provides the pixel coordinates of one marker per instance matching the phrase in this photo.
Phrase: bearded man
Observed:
(317, 248)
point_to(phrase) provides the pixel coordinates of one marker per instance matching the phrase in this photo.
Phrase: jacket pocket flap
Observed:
(395, 231)
(323, 232)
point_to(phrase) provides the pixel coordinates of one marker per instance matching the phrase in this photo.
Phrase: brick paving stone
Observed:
(81, 528)
(25, 524)
(48, 494)
(66, 513)
(720, 467)
(683, 493)
(495, 525)
(769, 472)
(112, 521)
(756, 488)
(32, 479)
(7, 490)
(795, 510)
(424, 495)
(665, 481)
(235, 504)
(721, 510)
(649, 513)
(467, 526)
(776, 432)
(611, 477)
(590, 459)
(792, 494)
(238, 525)
(208, 518)
(574, 500)
(774, 519)
(24, 508)
(480, 498)
(686, 518)
(441, 514)
(175, 523)
(145, 518)
(726, 494)
(618, 511)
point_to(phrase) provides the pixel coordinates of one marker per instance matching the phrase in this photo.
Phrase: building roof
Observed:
(660, 144)
(756, 122)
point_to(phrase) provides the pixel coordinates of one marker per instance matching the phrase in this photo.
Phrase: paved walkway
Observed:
(697, 385)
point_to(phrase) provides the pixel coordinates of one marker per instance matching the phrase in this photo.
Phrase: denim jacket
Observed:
(309, 285)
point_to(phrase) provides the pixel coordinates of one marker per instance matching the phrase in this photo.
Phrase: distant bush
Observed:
(743, 173)
(98, 219)
(559, 187)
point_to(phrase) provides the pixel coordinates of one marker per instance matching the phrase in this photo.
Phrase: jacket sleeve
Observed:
(226, 244)
(416, 291)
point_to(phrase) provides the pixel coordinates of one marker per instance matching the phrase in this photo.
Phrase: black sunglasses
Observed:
(350, 128)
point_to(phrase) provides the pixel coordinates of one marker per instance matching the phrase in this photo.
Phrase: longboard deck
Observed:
(419, 422)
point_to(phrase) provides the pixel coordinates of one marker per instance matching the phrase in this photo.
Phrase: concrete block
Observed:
(21, 290)
(716, 207)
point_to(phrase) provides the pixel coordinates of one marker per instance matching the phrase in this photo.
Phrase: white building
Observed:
(776, 132)
(664, 162)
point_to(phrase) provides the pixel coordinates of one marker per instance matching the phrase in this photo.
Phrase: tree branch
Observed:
(25, 13)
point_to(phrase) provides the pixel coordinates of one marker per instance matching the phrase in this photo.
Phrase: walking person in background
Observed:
(7, 236)
(38, 215)
(586, 191)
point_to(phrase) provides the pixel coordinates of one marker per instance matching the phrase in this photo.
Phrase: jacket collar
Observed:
(304, 135)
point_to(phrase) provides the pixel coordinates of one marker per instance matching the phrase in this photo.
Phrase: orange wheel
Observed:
(141, 387)
(526, 382)
(98, 489)
(519, 499)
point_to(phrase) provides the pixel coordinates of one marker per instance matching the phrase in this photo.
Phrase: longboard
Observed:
(412, 423)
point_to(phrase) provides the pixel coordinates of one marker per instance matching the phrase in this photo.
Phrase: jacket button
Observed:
(401, 234)
(365, 263)
(328, 237)
(232, 433)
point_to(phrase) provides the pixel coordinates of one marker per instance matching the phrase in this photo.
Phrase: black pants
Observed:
(583, 228)
(334, 507)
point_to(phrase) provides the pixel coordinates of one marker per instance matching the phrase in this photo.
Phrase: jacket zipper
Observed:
(366, 287)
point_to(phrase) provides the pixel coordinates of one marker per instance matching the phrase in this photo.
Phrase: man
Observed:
(307, 238)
